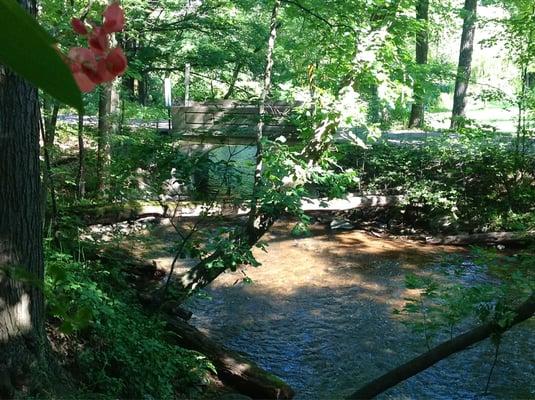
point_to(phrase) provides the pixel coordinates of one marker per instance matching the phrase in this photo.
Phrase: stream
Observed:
(319, 314)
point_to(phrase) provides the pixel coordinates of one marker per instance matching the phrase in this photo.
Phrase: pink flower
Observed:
(113, 18)
(85, 84)
(116, 62)
(98, 41)
(83, 57)
(98, 63)
(83, 66)
(103, 71)
(78, 26)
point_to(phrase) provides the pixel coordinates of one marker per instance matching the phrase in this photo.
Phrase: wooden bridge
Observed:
(229, 121)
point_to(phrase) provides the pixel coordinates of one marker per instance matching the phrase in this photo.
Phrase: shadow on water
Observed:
(320, 315)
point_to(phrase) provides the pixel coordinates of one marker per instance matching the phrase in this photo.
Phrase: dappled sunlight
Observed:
(16, 317)
(319, 313)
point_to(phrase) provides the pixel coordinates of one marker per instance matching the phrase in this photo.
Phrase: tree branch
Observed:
(426, 360)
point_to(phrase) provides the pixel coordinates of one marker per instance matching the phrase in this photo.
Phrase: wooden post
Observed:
(168, 99)
(187, 74)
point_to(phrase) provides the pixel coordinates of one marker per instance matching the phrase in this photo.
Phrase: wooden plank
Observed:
(199, 118)
(236, 119)
(277, 110)
(206, 109)
(231, 118)
(178, 117)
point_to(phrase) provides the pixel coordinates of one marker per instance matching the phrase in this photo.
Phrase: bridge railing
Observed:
(232, 119)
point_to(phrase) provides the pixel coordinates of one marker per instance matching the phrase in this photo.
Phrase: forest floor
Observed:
(319, 313)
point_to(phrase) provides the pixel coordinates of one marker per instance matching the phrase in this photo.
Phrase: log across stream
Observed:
(319, 315)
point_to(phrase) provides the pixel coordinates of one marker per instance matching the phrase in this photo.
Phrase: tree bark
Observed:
(426, 360)
(108, 109)
(80, 177)
(262, 114)
(422, 50)
(233, 81)
(142, 89)
(21, 252)
(464, 68)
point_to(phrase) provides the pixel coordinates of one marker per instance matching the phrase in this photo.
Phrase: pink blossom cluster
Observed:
(98, 63)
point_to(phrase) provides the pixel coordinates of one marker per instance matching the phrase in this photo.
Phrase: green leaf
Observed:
(28, 50)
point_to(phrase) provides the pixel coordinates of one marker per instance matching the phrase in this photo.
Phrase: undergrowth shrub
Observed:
(465, 181)
(121, 351)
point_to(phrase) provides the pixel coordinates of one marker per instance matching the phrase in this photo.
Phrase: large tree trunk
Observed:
(464, 68)
(426, 360)
(21, 253)
(422, 49)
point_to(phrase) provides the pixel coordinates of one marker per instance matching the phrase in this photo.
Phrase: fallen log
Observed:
(483, 238)
(232, 368)
(114, 213)
(428, 359)
(64, 161)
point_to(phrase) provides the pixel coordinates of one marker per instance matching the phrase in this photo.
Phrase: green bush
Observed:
(121, 351)
(473, 180)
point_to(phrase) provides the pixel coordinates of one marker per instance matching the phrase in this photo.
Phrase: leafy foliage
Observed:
(22, 38)
(484, 289)
(469, 181)
(121, 351)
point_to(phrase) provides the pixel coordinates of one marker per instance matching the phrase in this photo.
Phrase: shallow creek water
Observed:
(320, 315)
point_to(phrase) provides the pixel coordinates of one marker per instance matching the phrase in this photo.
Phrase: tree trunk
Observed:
(142, 89)
(80, 177)
(262, 114)
(422, 50)
(426, 360)
(103, 143)
(50, 121)
(233, 81)
(48, 179)
(21, 252)
(108, 109)
(464, 68)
